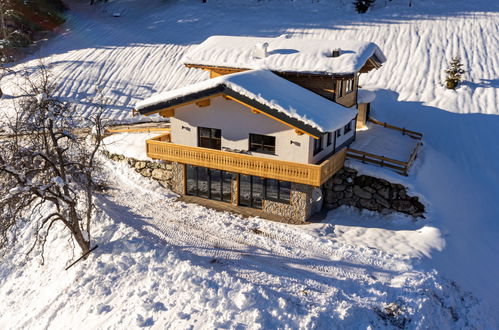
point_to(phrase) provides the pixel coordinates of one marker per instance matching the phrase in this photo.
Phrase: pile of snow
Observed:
(268, 89)
(131, 145)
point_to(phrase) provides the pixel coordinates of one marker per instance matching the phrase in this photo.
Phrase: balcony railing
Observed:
(160, 147)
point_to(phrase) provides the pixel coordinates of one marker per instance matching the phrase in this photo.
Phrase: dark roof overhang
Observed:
(223, 89)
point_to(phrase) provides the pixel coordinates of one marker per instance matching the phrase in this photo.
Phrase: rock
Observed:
(131, 162)
(369, 204)
(115, 157)
(385, 192)
(348, 202)
(335, 195)
(161, 175)
(348, 192)
(369, 189)
(337, 181)
(140, 165)
(339, 187)
(402, 194)
(381, 201)
(358, 191)
(404, 206)
(147, 172)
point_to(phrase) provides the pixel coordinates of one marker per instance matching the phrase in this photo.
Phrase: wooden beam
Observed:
(298, 132)
(266, 114)
(167, 113)
(203, 103)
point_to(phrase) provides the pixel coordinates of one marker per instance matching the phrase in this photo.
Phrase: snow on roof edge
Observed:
(284, 54)
(275, 92)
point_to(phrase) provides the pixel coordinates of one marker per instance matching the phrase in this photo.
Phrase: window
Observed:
(208, 183)
(317, 145)
(262, 143)
(329, 138)
(338, 133)
(277, 191)
(347, 128)
(339, 88)
(210, 138)
(349, 86)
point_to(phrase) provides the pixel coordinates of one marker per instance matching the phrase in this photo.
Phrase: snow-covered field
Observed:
(163, 263)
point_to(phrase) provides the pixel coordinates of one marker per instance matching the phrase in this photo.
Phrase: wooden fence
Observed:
(399, 166)
(412, 134)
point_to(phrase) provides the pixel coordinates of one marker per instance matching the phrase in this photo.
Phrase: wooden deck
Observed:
(160, 147)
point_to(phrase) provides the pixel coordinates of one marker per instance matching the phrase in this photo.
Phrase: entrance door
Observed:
(208, 183)
(250, 191)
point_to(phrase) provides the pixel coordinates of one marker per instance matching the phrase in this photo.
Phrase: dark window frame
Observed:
(347, 128)
(338, 132)
(350, 84)
(281, 185)
(263, 145)
(224, 183)
(329, 138)
(318, 145)
(213, 141)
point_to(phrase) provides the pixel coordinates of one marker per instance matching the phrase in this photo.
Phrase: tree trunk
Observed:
(2, 23)
(82, 243)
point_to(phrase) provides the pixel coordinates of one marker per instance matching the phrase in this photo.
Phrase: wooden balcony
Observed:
(160, 147)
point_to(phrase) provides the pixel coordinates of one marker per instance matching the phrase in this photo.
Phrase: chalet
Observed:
(271, 125)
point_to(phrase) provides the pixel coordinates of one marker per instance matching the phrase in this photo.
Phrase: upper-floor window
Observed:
(347, 128)
(317, 145)
(262, 143)
(338, 133)
(329, 138)
(349, 86)
(210, 138)
(344, 87)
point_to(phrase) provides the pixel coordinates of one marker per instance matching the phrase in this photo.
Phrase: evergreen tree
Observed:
(454, 73)
(361, 6)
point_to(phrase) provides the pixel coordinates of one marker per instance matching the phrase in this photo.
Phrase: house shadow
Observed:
(468, 139)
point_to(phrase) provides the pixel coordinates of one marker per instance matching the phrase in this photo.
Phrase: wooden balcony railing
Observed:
(314, 175)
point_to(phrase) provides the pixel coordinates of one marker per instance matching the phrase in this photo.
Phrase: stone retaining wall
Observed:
(347, 187)
(161, 171)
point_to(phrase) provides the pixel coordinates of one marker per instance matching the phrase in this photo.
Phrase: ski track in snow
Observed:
(341, 261)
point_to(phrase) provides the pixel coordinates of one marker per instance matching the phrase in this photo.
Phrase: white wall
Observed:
(236, 122)
(329, 149)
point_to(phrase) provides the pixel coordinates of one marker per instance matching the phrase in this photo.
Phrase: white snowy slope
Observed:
(164, 263)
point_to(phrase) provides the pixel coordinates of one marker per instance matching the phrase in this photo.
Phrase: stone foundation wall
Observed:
(349, 188)
(299, 208)
(178, 180)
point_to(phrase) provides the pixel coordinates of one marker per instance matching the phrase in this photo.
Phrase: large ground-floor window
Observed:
(208, 183)
(253, 190)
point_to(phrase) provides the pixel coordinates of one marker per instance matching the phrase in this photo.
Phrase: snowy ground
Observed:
(163, 262)
(385, 142)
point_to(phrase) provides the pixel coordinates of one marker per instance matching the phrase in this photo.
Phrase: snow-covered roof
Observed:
(365, 96)
(265, 91)
(284, 54)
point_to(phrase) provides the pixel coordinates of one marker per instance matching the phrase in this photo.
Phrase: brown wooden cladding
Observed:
(322, 85)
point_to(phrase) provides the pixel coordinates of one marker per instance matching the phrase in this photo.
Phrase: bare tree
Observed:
(47, 163)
